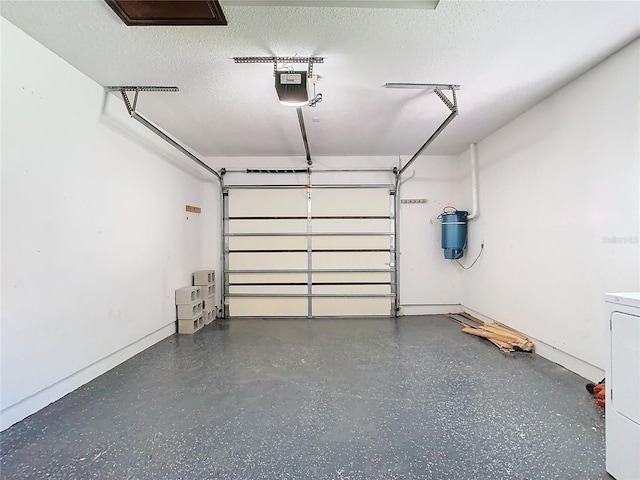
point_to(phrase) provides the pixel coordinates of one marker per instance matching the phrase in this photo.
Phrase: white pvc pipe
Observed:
(474, 181)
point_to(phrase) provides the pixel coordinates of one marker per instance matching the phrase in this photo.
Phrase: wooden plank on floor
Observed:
(472, 318)
(456, 317)
(505, 347)
(483, 333)
(501, 331)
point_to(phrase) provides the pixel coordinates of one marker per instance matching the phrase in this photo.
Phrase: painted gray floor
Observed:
(403, 398)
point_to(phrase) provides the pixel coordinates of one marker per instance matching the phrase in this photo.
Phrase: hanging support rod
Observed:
(131, 110)
(452, 106)
(304, 135)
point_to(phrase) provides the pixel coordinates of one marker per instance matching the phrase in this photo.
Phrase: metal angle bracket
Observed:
(132, 88)
(422, 86)
(123, 89)
(438, 88)
(275, 60)
(453, 107)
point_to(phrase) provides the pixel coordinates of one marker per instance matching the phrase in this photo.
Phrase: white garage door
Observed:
(320, 251)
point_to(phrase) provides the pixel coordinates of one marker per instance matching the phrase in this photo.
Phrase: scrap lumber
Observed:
(501, 336)
(451, 316)
(505, 347)
(481, 332)
(456, 317)
(501, 331)
(472, 318)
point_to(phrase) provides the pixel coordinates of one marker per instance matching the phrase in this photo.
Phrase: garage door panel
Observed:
(349, 277)
(269, 289)
(268, 307)
(352, 289)
(267, 243)
(267, 202)
(350, 202)
(364, 225)
(267, 261)
(235, 278)
(347, 260)
(268, 226)
(351, 243)
(331, 307)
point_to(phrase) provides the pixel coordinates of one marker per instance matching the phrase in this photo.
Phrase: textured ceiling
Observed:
(507, 56)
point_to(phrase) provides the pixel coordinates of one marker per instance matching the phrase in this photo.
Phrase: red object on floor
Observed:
(599, 392)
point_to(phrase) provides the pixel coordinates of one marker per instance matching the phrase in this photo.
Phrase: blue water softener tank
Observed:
(454, 233)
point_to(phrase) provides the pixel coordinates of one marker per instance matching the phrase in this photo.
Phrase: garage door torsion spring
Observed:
(254, 170)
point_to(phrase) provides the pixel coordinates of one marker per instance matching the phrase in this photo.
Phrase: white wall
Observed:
(95, 237)
(558, 189)
(426, 284)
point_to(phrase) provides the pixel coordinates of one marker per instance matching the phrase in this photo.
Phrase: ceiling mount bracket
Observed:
(141, 88)
(135, 99)
(422, 86)
(451, 106)
(127, 103)
(276, 60)
(123, 89)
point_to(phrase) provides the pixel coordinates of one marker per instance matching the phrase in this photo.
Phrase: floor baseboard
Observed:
(31, 404)
(553, 354)
(430, 308)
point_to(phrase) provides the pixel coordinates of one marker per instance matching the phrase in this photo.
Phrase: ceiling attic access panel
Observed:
(168, 12)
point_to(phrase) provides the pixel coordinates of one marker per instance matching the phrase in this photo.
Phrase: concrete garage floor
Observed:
(402, 398)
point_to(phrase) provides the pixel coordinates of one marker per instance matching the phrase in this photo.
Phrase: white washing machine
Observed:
(623, 386)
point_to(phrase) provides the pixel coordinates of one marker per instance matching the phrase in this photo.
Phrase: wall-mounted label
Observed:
(413, 200)
(192, 209)
(290, 79)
